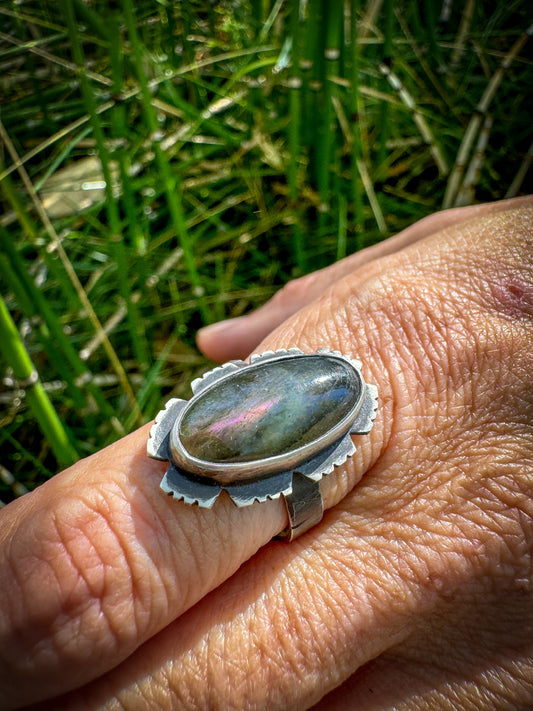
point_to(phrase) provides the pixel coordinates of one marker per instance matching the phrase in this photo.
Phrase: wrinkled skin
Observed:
(415, 591)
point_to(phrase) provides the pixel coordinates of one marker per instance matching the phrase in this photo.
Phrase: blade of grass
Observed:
(430, 17)
(150, 381)
(30, 19)
(57, 245)
(37, 467)
(368, 21)
(55, 138)
(13, 198)
(267, 25)
(312, 74)
(371, 195)
(356, 153)
(18, 359)
(467, 192)
(31, 232)
(116, 241)
(383, 120)
(169, 180)
(422, 61)
(408, 101)
(60, 159)
(120, 130)
(9, 480)
(33, 303)
(525, 165)
(51, 345)
(343, 225)
(474, 125)
(93, 20)
(462, 34)
(333, 17)
(294, 132)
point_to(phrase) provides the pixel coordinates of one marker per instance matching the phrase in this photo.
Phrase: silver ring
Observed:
(268, 428)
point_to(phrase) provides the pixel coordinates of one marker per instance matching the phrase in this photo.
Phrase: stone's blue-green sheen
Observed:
(271, 408)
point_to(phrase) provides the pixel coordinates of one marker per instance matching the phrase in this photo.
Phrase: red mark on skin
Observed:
(515, 295)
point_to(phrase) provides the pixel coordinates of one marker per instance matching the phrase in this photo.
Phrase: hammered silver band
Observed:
(304, 505)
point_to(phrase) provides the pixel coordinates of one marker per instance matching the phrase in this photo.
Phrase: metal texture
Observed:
(294, 474)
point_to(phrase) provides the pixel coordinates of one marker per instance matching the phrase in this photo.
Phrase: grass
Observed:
(166, 165)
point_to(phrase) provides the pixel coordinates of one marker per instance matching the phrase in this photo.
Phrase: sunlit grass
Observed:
(163, 166)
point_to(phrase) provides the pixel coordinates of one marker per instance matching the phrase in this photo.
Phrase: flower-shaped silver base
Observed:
(260, 430)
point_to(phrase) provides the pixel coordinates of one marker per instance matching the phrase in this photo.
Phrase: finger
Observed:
(280, 644)
(98, 559)
(237, 338)
(442, 519)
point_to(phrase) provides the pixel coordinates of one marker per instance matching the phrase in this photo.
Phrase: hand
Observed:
(415, 591)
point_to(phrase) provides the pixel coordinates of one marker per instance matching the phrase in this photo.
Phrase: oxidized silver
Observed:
(259, 440)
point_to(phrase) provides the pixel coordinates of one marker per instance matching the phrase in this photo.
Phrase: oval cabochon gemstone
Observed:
(271, 408)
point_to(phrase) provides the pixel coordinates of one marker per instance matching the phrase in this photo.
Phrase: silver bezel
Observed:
(204, 489)
(232, 472)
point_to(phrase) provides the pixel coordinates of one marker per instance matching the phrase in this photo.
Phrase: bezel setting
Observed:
(197, 481)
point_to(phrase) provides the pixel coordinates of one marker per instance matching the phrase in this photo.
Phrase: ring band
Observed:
(304, 505)
(264, 429)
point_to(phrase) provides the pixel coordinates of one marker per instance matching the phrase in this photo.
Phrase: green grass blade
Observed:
(169, 180)
(49, 422)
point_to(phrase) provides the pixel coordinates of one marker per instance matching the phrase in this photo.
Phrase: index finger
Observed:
(98, 560)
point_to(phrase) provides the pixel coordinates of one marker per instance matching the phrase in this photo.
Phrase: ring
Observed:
(268, 428)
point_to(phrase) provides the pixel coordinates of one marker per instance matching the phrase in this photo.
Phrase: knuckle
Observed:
(294, 291)
(435, 327)
(66, 597)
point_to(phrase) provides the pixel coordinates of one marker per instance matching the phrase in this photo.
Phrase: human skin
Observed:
(414, 592)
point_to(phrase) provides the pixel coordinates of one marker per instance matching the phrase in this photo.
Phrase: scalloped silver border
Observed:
(191, 489)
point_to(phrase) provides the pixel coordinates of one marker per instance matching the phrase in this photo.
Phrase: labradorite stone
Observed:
(267, 409)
